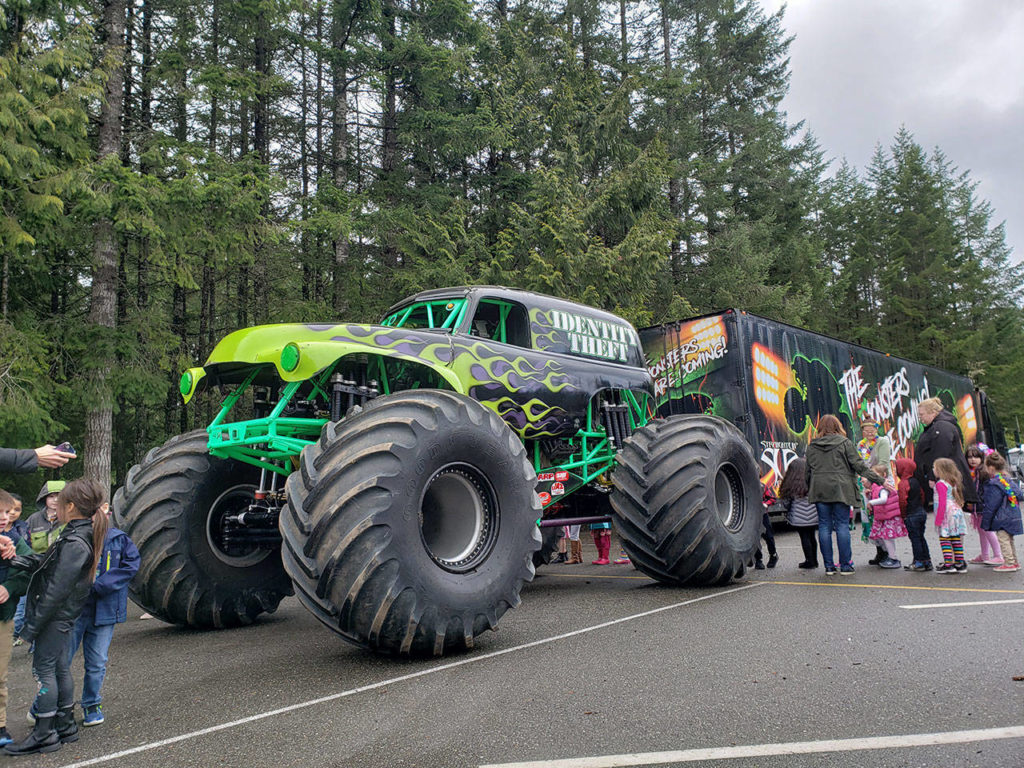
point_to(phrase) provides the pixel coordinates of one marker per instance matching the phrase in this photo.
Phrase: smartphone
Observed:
(65, 447)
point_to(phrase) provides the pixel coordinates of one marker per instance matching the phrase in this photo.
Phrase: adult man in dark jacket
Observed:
(25, 460)
(941, 439)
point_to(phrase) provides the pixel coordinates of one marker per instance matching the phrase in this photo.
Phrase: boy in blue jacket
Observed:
(107, 606)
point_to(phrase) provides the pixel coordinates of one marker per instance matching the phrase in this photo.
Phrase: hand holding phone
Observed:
(65, 447)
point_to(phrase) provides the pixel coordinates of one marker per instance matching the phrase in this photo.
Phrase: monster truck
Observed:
(395, 477)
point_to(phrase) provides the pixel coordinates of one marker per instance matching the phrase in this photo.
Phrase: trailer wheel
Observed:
(687, 500)
(168, 506)
(410, 528)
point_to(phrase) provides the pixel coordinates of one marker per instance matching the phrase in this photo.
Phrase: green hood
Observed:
(50, 486)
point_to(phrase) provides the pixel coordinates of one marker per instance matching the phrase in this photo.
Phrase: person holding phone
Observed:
(45, 457)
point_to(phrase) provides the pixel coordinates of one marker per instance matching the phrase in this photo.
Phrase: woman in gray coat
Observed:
(831, 475)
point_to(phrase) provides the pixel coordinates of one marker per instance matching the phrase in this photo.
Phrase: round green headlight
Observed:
(185, 385)
(290, 357)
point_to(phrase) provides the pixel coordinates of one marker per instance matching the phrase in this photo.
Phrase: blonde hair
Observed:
(881, 469)
(932, 405)
(948, 472)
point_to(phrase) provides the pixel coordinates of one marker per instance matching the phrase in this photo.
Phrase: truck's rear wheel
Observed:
(687, 500)
(411, 526)
(170, 506)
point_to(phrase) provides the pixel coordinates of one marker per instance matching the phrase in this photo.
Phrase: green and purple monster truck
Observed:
(398, 477)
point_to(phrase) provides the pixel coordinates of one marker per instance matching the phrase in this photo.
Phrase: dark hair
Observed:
(16, 496)
(6, 500)
(830, 425)
(794, 482)
(88, 496)
(974, 450)
(995, 461)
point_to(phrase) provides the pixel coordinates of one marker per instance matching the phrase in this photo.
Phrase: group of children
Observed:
(896, 509)
(71, 571)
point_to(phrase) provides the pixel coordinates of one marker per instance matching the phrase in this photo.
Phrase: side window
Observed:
(501, 321)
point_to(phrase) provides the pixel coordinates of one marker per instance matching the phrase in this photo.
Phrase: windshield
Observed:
(437, 314)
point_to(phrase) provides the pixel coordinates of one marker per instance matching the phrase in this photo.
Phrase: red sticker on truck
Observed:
(545, 498)
(557, 489)
(545, 477)
(562, 476)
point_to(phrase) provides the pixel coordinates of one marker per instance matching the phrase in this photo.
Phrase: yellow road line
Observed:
(890, 586)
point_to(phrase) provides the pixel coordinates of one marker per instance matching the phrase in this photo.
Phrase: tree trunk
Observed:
(102, 308)
(389, 153)
(339, 149)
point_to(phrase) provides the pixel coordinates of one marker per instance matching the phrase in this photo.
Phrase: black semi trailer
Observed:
(774, 381)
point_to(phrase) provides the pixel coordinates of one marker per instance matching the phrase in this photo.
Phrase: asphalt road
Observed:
(597, 661)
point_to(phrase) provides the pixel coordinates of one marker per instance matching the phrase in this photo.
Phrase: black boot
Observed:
(43, 738)
(67, 728)
(880, 555)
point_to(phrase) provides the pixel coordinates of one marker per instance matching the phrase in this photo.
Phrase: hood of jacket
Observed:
(948, 417)
(905, 467)
(50, 486)
(830, 442)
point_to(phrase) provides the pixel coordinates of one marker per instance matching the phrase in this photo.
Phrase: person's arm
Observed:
(72, 561)
(117, 575)
(860, 466)
(17, 580)
(884, 449)
(883, 496)
(18, 460)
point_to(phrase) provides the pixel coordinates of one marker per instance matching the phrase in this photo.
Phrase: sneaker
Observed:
(17, 641)
(759, 565)
(830, 570)
(1006, 568)
(890, 562)
(93, 715)
(917, 565)
(945, 568)
(846, 570)
(979, 560)
(621, 560)
(773, 561)
(5, 737)
(993, 561)
(960, 567)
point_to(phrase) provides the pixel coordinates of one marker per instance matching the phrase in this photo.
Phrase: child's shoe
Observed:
(890, 562)
(1006, 568)
(960, 567)
(847, 570)
(5, 737)
(622, 559)
(17, 641)
(917, 565)
(979, 560)
(773, 560)
(561, 557)
(759, 564)
(93, 715)
(830, 570)
(945, 568)
(992, 561)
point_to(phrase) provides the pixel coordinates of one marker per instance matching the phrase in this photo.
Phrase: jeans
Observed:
(834, 517)
(19, 616)
(51, 669)
(916, 523)
(768, 534)
(95, 642)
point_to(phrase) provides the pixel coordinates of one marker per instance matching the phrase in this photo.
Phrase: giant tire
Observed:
(687, 500)
(164, 506)
(411, 526)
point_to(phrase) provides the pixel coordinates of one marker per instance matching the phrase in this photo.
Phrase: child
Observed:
(1000, 510)
(887, 524)
(602, 533)
(61, 580)
(768, 501)
(106, 606)
(43, 526)
(18, 528)
(915, 518)
(12, 584)
(949, 516)
(989, 542)
(800, 513)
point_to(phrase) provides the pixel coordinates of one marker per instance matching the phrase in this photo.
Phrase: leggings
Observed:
(952, 549)
(51, 668)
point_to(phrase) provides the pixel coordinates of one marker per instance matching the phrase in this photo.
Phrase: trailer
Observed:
(774, 381)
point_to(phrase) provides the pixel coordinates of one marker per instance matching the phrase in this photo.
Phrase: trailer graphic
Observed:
(774, 381)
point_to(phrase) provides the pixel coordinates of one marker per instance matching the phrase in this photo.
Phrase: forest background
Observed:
(171, 171)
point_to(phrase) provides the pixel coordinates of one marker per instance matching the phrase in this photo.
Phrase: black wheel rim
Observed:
(231, 502)
(458, 517)
(729, 497)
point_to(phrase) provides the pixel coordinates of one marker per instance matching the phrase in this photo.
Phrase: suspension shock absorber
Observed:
(337, 395)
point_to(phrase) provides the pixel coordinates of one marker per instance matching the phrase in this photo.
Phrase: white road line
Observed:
(958, 605)
(766, 750)
(400, 679)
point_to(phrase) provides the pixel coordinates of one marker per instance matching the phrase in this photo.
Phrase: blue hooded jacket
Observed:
(108, 600)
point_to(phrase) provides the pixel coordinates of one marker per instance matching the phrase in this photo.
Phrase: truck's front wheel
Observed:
(411, 526)
(687, 500)
(171, 506)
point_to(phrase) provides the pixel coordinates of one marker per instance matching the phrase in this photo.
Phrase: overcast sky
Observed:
(951, 71)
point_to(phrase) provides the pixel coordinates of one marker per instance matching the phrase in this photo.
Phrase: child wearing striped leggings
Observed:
(949, 516)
